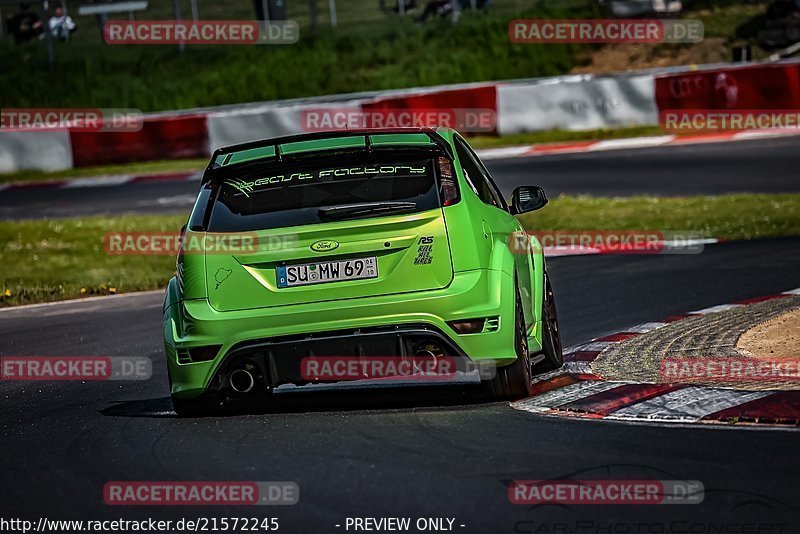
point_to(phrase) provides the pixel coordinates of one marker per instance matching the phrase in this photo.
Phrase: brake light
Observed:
(448, 189)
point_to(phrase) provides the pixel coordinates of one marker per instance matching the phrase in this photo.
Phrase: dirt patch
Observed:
(778, 337)
(624, 57)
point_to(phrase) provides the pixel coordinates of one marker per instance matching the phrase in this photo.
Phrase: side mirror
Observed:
(527, 198)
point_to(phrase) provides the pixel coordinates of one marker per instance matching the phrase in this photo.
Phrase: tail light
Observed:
(448, 188)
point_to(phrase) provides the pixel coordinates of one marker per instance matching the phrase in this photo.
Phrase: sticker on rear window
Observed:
(246, 187)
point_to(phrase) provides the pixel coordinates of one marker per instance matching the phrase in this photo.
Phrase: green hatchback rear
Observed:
(362, 246)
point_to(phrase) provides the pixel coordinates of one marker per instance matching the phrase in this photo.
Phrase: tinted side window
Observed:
(474, 175)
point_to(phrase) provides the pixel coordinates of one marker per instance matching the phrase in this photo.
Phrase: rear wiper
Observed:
(343, 211)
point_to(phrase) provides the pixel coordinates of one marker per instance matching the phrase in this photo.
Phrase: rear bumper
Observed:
(472, 294)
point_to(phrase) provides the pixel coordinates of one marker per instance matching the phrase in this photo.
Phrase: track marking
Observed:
(688, 404)
(575, 390)
(570, 393)
(81, 300)
(714, 309)
(608, 402)
(99, 181)
(634, 142)
(504, 152)
(780, 407)
(598, 346)
(644, 328)
(578, 368)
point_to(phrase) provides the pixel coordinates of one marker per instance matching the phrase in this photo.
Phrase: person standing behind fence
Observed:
(25, 25)
(444, 8)
(61, 24)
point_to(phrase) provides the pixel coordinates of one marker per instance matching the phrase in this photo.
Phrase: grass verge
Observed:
(388, 54)
(146, 167)
(65, 258)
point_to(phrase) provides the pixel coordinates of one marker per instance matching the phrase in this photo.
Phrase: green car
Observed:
(358, 245)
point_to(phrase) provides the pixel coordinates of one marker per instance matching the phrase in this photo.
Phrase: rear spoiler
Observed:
(269, 150)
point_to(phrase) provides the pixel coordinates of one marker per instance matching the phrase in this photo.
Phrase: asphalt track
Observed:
(415, 453)
(762, 166)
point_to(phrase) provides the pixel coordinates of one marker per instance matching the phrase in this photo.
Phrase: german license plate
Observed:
(321, 272)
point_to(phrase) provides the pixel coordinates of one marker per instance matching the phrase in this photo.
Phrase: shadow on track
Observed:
(311, 402)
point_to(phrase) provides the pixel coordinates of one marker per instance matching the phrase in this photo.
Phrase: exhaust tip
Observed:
(427, 359)
(242, 381)
(425, 353)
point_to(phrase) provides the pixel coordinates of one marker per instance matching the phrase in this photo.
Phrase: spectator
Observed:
(25, 25)
(445, 7)
(439, 7)
(408, 5)
(61, 24)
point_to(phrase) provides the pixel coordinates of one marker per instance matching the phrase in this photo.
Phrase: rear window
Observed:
(301, 192)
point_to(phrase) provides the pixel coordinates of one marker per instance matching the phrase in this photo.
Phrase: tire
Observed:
(551, 335)
(513, 380)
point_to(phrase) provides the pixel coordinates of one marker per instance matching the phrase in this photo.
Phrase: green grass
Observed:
(370, 50)
(390, 53)
(737, 216)
(729, 18)
(178, 165)
(65, 258)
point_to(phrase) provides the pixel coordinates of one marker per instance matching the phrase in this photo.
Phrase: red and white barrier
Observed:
(756, 87)
(170, 137)
(576, 103)
(227, 128)
(47, 151)
(582, 102)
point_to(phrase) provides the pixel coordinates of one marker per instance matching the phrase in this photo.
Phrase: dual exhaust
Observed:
(242, 380)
